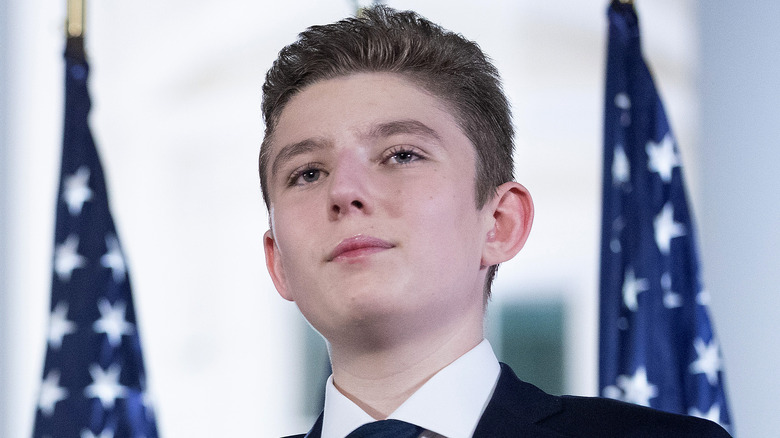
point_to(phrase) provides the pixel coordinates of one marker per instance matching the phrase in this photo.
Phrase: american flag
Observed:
(657, 347)
(93, 378)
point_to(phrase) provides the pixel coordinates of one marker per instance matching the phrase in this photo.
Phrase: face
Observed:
(373, 219)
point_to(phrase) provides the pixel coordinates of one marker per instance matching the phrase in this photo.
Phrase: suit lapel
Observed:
(515, 408)
(316, 430)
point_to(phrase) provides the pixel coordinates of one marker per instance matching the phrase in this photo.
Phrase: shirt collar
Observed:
(450, 403)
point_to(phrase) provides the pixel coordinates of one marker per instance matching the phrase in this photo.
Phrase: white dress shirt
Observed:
(449, 404)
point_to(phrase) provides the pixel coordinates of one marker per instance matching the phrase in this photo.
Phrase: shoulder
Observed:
(522, 405)
(592, 416)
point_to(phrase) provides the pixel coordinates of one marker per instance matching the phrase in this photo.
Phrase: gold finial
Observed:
(76, 20)
(362, 5)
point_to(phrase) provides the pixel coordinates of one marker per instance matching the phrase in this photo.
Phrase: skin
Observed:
(375, 235)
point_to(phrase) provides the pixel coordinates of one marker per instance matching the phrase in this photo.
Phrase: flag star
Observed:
(51, 393)
(636, 388)
(621, 169)
(77, 191)
(662, 157)
(672, 300)
(112, 321)
(59, 326)
(713, 414)
(622, 101)
(708, 361)
(666, 228)
(666, 281)
(105, 385)
(67, 258)
(148, 402)
(613, 392)
(113, 259)
(105, 433)
(703, 298)
(632, 286)
(618, 225)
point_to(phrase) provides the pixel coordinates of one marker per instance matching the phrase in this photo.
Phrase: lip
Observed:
(357, 246)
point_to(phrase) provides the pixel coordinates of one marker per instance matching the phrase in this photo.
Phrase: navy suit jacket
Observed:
(521, 410)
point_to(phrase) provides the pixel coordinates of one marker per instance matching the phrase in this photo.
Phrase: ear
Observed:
(512, 212)
(273, 262)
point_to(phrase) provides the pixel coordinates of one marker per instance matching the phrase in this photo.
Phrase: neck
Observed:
(380, 379)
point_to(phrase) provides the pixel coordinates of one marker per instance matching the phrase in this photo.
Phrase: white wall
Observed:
(4, 296)
(176, 92)
(740, 214)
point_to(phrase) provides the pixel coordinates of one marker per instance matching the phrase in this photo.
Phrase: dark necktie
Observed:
(386, 429)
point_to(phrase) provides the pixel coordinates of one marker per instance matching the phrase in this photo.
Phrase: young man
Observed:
(387, 171)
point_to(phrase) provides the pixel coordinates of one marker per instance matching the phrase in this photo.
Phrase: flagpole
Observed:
(360, 9)
(75, 24)
(76, 18)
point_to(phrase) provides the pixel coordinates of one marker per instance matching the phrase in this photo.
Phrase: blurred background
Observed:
(176, 116)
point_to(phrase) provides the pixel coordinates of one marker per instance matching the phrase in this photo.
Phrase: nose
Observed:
(349, 191)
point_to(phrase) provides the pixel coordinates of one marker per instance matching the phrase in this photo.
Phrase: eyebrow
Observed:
(294, 149)
(381, 130)
(413, 127)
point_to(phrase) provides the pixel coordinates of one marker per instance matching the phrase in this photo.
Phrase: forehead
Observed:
(354, 102)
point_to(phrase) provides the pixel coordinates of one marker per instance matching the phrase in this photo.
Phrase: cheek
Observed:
(291, 232)
(398, 201)
(449, 219)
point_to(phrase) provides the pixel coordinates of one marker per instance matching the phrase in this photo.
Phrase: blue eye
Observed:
(404, 157)
(310, 175)
(307, 174)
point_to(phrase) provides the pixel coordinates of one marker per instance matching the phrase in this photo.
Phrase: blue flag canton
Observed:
(94, 382)
(658, 348)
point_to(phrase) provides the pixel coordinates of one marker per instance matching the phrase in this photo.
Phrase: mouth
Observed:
(358, 246)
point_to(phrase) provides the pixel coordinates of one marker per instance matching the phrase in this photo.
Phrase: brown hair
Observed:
(443, 63)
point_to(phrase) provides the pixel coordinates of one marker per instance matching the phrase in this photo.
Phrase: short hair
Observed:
(441, 62)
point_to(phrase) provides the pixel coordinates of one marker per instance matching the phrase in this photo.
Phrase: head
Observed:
(442, 63)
